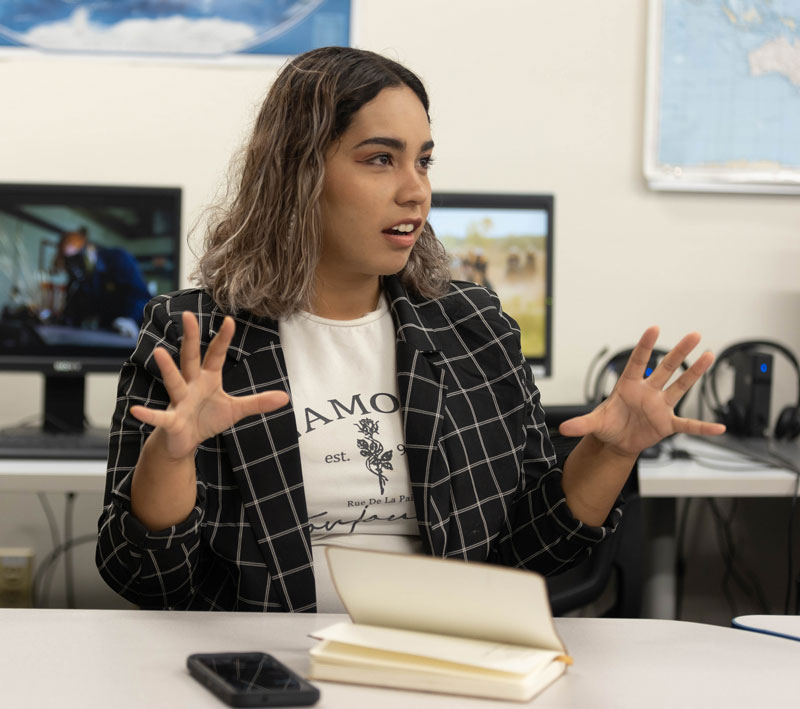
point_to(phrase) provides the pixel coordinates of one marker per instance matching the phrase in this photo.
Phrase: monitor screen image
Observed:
(504, 242)
(77, 265)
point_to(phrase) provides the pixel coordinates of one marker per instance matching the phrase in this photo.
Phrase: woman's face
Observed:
(376, 194)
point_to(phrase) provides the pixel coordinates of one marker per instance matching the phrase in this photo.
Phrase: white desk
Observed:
(52, 475)
(120, 659)
(711, 472)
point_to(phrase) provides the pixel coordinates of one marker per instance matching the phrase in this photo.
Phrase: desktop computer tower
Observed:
(752, 389)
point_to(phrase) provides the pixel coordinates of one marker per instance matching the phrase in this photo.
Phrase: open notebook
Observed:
(439, 625)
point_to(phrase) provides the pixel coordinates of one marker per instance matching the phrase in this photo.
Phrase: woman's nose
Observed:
(414, 187)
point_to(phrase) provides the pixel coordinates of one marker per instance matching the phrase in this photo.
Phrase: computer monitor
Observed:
(77, 265)
(505, 242)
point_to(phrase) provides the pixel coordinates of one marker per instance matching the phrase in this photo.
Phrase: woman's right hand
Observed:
(199, 408)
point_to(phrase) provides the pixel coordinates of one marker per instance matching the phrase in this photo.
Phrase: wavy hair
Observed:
(263, 243)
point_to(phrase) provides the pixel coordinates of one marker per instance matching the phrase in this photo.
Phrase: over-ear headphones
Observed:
(787, 425)
(614, 366)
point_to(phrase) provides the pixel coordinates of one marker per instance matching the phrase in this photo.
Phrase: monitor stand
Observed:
(63, 432)
(64, 397)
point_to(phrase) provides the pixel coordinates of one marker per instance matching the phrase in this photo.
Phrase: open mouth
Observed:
(400, 231)
(403, 228)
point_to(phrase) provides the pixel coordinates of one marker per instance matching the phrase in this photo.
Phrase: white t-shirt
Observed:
(343, 378)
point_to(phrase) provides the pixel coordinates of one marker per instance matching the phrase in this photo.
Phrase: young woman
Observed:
(328, 384)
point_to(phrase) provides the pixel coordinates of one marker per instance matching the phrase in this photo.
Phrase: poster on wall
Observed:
(188, 29)
(723, 96)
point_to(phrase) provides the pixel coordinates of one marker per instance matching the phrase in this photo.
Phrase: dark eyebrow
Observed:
(399, 145)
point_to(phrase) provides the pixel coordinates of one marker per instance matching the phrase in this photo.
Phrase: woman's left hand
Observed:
(640, 412)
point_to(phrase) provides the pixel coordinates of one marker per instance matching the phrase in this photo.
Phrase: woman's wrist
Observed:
(163, 489)
(593, 476)
(601, 448)
(158, 446)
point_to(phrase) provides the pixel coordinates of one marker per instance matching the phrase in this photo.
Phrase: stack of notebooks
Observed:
(439, 625)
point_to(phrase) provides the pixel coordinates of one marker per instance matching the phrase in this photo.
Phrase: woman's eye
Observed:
(382, 159)
(426, 162)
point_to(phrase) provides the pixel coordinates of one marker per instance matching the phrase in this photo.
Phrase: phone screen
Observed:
(252, 671)
(251, 679)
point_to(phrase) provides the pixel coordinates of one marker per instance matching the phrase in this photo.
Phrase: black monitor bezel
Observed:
(508, 200)
(66, 362)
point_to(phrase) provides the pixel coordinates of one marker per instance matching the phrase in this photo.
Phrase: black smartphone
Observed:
(251, 679)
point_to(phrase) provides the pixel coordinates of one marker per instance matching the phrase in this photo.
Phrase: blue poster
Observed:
(188, 28)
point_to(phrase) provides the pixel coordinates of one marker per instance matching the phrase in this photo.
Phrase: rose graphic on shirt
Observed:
(378, 460)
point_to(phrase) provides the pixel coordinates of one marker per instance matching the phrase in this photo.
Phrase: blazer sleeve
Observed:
(542, 534)
(150, 569)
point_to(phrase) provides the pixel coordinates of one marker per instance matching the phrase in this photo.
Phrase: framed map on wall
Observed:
(723, 96)
(189, 29)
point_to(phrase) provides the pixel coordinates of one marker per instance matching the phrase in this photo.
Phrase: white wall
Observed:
(526, 96)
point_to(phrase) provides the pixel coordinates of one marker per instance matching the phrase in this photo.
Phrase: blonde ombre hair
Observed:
(263, 243)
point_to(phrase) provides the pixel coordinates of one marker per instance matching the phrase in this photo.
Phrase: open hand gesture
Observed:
(199, 408)
(640, 412)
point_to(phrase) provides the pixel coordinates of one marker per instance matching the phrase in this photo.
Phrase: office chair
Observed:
(620, 556)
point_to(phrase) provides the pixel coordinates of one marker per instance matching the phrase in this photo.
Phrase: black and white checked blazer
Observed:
(481, 464)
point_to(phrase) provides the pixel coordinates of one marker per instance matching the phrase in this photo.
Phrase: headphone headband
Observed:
(748, 346)
(616, 363)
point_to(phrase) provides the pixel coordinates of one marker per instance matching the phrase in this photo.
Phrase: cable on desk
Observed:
(707, 460)
(727, 468)
(727, 549)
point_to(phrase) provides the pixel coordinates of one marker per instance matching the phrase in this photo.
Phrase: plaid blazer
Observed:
(481, 464)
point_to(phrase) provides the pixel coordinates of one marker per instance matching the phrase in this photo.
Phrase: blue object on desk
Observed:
(782, 626)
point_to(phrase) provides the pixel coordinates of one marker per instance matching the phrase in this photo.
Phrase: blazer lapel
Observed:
(265, 458)
(422, 389)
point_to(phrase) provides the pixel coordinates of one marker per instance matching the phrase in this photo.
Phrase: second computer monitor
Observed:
(505, 242)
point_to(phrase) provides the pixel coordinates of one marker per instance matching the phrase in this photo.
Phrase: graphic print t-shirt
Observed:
(343, 382)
